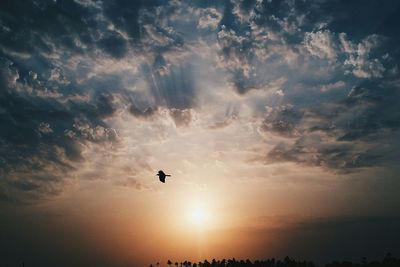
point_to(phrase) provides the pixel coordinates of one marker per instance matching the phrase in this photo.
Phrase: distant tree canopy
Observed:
(388, 261)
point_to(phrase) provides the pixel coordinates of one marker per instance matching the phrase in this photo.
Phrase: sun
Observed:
(199, 212)
(198, 216)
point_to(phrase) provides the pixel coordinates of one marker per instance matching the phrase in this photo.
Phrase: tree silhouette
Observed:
(388, 261)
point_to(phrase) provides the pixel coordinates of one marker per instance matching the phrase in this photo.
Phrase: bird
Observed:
(162, 175)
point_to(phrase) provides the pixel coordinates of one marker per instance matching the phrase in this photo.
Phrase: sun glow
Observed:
(198, 216)
(199, 210)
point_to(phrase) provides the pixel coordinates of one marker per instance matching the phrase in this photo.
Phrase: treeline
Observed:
(388, 261)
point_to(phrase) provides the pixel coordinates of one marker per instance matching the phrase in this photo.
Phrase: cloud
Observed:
(209, 18)
(73, 71)
(42, 146)
(222, 124)
(332, 86)
(340, 137)
(282, 120)
(243, 10)
(146, 114)
(126, 15)
(338, 157)
(113, 44)
(181, 117)
(83, 130)
(359, 59)
(132, 183)
(320, 44)
(325, 44)
(173, 89)
(44, 128)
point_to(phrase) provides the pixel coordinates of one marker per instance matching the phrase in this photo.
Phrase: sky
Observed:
(279, 122)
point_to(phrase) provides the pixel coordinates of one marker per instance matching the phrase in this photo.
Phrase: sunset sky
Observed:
(279, 122)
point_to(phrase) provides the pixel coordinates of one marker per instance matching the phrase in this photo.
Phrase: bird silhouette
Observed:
(162, 175)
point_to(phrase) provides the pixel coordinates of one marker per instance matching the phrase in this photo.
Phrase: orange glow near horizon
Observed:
(209, 208)
(223, 218)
